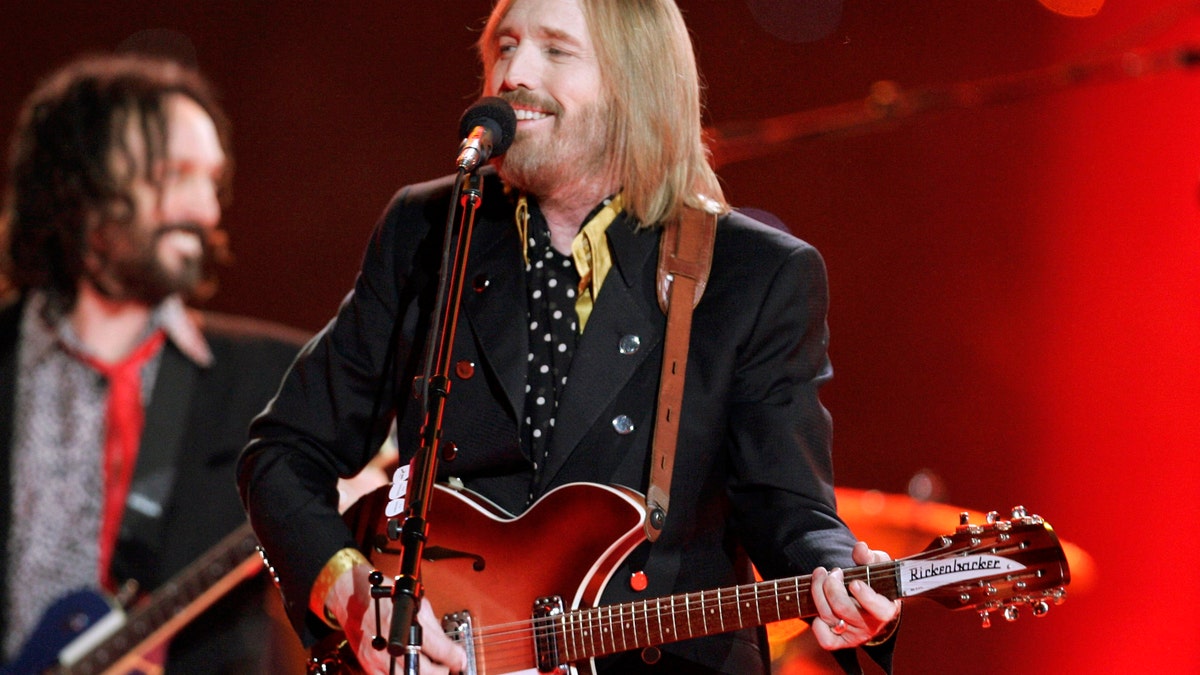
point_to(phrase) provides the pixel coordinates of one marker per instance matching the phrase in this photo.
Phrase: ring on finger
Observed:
(838, 628)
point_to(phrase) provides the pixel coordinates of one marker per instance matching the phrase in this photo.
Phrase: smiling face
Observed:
(176, 209)
(546, 67)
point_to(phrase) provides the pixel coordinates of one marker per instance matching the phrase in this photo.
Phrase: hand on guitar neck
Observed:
(850, 614)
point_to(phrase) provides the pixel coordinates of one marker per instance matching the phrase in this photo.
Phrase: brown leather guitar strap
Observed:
(684, 260)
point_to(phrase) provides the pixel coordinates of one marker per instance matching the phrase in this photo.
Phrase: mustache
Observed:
(524, 97)
(214, 242)
(190, 227)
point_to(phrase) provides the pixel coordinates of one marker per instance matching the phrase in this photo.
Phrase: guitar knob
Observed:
(1011, 613)
(964, 518)
(1019, 512)
(1040, 608)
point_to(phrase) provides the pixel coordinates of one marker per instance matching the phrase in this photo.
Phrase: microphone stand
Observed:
(405, 635)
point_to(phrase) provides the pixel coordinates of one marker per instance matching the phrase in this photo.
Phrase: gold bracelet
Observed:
(345, 559)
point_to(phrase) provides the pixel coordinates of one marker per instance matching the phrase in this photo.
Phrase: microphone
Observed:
(487, 128)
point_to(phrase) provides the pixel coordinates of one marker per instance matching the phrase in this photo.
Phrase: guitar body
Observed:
(61, 624)
(496, 567)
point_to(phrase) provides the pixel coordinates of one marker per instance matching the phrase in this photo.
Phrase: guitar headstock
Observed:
(1002, 565)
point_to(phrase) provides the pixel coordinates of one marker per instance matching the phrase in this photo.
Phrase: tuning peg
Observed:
(992, 517)
(964, 518)
(1019, 512)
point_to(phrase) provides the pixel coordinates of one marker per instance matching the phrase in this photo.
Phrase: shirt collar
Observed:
(44, 331)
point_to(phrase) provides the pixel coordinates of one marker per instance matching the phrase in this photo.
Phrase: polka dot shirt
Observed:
(552, 282)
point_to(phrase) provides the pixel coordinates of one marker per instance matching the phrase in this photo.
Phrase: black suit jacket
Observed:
(753, 465)
(201, 415)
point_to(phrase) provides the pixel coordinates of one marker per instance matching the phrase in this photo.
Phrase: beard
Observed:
(133, 269)
(572, 153)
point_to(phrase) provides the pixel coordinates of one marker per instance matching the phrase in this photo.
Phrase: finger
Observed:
(841, 605)
(880, 608)
(864, 555)
(818, 579)
(435, 644)
(428, 667)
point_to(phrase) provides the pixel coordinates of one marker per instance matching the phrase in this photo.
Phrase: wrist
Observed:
(338, 571)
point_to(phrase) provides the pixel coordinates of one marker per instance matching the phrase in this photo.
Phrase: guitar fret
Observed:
(704, 610)
(687, 611)
(589, 629)
(580, 631)
(598, 629)
(594, 631)
(755, 605)
(572, 632)
(607, 628)
(778, 609)
(674, 626)
(625, 627)
(646, 611)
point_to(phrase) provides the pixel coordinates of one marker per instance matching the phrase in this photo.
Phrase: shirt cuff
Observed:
(341, 561)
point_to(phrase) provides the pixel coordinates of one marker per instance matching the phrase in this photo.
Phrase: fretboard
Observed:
(609, 629)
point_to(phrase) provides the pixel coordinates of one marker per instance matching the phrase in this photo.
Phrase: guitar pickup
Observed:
(545, 636)
(459, 627)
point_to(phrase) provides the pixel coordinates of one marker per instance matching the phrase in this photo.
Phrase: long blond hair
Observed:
(649, 73)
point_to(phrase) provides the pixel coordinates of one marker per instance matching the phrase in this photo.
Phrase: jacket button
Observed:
(629, 344)
(480, 283)
(464, 369)
(622, 424)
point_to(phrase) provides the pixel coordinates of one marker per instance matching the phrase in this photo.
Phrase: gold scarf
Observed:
(593, 259)
(589, 249)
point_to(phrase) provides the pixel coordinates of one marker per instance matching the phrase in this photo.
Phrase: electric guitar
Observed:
(531, 608)
(86, 633)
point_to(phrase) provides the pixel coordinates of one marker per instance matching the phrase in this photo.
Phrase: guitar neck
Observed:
(170, 607)
(609, 629)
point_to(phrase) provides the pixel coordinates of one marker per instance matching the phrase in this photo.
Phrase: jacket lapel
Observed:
(494, 304)
(599, 370)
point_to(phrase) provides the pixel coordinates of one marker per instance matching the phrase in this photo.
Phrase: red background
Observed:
(1014, 284)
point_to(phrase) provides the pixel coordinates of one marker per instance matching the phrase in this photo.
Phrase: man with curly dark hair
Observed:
(127, 409)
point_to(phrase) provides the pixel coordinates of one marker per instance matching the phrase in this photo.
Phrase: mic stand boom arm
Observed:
(407, 591)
